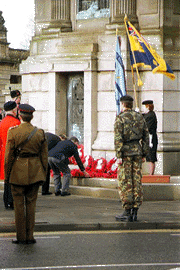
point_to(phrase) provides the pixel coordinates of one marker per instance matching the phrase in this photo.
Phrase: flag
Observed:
(142, 54)
(120, 84)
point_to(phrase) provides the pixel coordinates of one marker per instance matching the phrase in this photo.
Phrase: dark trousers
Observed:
(59, 166)
(45, 186)
(25, 205)
(7, 196)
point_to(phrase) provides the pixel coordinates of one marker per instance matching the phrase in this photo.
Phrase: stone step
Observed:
(152, 192)
(94, 182)
(107, 188)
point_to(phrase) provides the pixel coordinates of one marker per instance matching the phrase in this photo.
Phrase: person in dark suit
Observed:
(151, 121)
(52, 140)
(16, 96)
(25, 172)
(58, 158)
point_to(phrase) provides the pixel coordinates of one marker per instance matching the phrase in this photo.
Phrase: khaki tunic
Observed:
(26, 171)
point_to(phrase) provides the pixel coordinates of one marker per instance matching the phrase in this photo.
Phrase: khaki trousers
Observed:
(25, 205)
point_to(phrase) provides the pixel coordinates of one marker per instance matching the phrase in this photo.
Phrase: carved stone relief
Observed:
(92, 9)
(75, 106)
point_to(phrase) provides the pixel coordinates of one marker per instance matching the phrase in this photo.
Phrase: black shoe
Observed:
(58, 193)
(125, 216)
(47, 193)
(134, 213)
(18, 242)
(65, 193)
(31, 241)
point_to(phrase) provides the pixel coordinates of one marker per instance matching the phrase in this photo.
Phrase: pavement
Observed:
(73, 213)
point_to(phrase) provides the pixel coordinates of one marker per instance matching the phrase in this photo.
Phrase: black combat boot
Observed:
(134, 213)
(125, 216)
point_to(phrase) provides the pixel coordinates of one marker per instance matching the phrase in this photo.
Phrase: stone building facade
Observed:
(10, 60)
(69, 75)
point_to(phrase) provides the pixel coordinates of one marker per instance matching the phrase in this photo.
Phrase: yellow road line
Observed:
(97, 232)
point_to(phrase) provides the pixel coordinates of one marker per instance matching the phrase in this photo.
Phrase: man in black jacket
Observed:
(59, 159)
(52, 140)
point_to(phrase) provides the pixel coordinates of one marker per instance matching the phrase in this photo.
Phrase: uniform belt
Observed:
(27, 155)
(131, 141)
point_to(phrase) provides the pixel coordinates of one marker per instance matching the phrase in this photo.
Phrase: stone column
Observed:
(52, 105)
(61, 15)
(120, 8)
(90, 111)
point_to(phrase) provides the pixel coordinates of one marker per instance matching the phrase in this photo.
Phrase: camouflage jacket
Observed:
(131, 134)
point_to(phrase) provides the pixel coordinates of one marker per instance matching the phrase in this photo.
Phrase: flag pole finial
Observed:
(125, 17)
(116, 31)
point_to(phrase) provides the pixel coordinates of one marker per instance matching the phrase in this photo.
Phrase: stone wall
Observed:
(88, 46)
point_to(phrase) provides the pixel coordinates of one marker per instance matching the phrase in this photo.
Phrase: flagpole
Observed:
(120, 84)
(139, 79)
(134, 86)
(116, 31)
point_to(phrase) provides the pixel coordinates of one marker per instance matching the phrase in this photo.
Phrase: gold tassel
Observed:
(140, 83)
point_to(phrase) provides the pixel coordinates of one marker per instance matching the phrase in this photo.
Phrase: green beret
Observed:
(126, 98)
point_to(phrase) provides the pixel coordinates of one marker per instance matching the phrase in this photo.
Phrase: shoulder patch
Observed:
(14, 127)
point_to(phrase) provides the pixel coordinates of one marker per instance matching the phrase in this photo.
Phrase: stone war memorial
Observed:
(69, 76)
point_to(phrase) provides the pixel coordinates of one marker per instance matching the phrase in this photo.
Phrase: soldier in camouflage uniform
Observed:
(131, 145)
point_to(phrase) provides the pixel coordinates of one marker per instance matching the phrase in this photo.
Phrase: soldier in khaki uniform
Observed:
(131, 145)
(25, 171)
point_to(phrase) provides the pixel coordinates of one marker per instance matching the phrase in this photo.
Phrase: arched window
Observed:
(89, 9)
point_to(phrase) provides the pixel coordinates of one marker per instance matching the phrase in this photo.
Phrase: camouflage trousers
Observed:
(129, 182)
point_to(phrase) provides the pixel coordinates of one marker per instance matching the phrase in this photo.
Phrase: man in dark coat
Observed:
(8, 121)
(52, 140)
(25, 171)
(58, 158)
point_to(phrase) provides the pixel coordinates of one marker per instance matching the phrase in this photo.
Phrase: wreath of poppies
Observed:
(81, 155)
(111, 169)
(98, 168)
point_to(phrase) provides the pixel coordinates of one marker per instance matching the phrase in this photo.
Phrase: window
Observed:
(89, 9)
(14, 79)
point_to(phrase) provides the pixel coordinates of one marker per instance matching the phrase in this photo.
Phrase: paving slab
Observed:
(56, 213)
